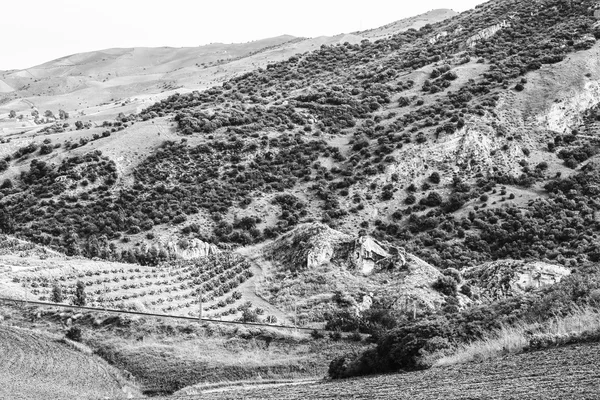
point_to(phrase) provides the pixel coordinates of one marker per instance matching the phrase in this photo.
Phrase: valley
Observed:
(398, 194)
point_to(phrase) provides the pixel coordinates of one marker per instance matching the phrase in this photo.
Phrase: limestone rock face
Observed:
(416, 288)
(500, 279)
(567, 112)
(312, 245)
(367, 252)
(308, 246)
(321, 253)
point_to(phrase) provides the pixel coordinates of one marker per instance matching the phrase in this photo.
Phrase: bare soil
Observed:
(561, 373)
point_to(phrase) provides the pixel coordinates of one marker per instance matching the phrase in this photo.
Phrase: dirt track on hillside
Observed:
(571, 372)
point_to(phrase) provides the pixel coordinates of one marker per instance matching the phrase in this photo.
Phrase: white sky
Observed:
(36, 31)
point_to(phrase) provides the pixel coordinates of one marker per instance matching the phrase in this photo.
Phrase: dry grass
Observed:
(37, 365)
(517, 338)
(166, 358)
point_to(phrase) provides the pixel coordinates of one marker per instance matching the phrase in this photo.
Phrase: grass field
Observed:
(569, 372)
(163, 356)
(38, 366)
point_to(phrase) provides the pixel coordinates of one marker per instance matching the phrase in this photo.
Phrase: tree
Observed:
(12, 114)
(49, 114)
(80, 297)
(433, 199)
(57, 293)
(62, 114)
(74, 333)
(7, 222)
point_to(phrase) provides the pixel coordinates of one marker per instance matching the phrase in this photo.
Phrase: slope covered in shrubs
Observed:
(407, 345)
(330, 123)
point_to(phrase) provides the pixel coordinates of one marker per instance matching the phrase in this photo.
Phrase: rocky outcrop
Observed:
(367, 253)
(568, 112)
(415, 290)
(486, 33)
(437, 37)
(308, 246)
(501, 279)
(312, 245)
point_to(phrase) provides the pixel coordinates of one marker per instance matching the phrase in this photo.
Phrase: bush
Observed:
(410, 199)
(433, 199)
(316, 334)
(400, 349)
(57, 293)
(446, 285)
(74, 333)
(79, 298)
(249, 315)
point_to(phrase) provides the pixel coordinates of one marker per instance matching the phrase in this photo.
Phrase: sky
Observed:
(37, 31)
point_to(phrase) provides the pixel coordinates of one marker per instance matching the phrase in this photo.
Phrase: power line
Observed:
(154, 315)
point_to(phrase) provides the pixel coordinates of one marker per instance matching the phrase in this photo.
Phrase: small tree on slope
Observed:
(79, 299)
(57, 293)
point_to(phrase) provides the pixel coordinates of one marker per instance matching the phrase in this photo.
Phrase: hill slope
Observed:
(566, 373)
(81, 83)
(36, 366)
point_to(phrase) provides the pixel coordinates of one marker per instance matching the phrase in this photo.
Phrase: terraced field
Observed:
(571, 372)
(35, 366)
(172, 288)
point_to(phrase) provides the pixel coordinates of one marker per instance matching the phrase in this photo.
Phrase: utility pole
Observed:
(414, 309)
(200, 304)
(296, 314)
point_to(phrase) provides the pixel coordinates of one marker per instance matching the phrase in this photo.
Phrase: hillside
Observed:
(37, 365)
(161, 356)
(97, 86)
(418, 187)
(415, 138)
(565, 373)
(416, 22)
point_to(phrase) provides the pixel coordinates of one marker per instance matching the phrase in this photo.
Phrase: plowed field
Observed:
(35, 366)
(571, 372)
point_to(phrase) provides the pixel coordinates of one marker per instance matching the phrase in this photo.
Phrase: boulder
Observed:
(367, 253)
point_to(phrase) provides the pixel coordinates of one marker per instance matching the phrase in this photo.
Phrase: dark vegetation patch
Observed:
(402, 343)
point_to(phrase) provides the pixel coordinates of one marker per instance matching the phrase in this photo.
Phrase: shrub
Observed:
(401, 348)
(74, 333)
(79, 298)
(433, 199)
(316, 334)
(410, 199)
(446, 285)
(249, 315)
(57, 293)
